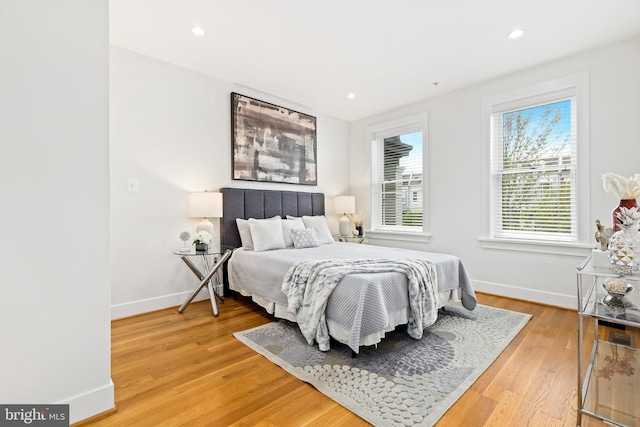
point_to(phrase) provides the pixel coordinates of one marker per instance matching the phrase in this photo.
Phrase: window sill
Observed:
(556, 248)
(398, 236)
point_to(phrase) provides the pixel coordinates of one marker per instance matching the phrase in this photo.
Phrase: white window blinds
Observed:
(533, 168)
(398, 185)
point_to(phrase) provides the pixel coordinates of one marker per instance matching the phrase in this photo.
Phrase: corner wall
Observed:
(54, 187)
(171, 130)
(455, 169)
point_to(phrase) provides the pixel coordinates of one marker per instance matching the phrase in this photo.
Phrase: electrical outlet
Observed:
(132, 185)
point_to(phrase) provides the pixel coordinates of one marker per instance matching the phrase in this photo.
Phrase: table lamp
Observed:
(344, 205)
(205, 205)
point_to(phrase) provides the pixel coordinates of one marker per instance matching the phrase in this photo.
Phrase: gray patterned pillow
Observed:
(304, 238)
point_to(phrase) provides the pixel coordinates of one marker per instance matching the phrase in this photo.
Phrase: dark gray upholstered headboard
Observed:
(259, 204)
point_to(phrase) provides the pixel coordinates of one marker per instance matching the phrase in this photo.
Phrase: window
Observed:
(398, 182)
(537, 157)
(533, 174)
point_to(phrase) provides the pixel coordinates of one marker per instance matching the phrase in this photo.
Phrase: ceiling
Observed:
(312, 53)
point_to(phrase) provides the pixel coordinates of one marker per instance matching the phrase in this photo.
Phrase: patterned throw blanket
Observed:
(309, 283)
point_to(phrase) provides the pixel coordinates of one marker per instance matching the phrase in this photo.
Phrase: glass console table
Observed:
(608, 362)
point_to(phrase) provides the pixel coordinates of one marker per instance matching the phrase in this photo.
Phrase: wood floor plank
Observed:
(471, 402)
(172, 369)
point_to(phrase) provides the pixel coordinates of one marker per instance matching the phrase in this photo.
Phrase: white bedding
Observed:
(363, 306)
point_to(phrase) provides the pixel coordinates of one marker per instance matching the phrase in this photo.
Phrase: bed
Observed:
(363, 306)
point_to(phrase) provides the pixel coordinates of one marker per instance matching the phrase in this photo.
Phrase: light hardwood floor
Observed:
(173, 369)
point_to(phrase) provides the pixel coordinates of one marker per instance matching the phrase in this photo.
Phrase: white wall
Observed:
(455, 169)
(171, 130)
(54, 222)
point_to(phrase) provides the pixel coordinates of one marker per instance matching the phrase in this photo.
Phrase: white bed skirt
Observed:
(337, 331)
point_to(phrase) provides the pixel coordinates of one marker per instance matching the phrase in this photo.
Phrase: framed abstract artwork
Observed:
(272, 143)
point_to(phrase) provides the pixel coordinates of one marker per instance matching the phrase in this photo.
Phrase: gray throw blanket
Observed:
(309, 283)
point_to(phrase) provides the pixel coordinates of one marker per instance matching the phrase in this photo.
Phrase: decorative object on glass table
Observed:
(202, 240)
(185, 236)
(617, 287)
(345, 205)
(599, 255)
(603, 235)
(358, 221)
(624, 246)
(624, 203)
(626, 189)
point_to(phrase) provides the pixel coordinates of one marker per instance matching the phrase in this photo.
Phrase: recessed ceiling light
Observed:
(516, 33)
(198, 31)
(351, 95)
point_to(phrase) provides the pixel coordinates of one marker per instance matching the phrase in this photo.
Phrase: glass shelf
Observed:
(191, 251)
(350, 239)
(612, 385)
(594, 301)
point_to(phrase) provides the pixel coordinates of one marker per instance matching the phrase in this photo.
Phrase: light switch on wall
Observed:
(132, 185)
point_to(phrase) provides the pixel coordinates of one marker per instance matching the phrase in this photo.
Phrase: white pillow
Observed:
(319, 224)
(267, 234)
(304, 238)
(245, 233)
(289, 225)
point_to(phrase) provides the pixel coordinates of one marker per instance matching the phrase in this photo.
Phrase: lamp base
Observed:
(206, 225)
(345, 226)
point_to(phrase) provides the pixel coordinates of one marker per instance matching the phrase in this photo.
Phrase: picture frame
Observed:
(271, 143)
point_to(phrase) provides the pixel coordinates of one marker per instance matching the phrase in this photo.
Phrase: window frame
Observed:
(579, 84)
(374, 134)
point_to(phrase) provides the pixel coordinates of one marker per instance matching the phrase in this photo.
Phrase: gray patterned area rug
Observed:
(402, 382)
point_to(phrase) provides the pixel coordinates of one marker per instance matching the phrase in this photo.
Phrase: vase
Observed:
(202, 247)
(624, 250)
(624, 203)
(359, 229)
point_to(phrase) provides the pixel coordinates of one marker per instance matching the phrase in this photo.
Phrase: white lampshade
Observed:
(205, 205)
(344, 204)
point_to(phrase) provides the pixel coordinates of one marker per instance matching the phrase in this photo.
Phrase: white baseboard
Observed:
(128, 309)
(133, 308)
(542, 297)
(91, 403)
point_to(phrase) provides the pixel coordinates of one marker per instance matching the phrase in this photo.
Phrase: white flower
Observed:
(202, 237)
(624, 188)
